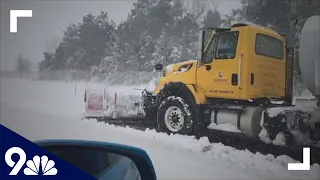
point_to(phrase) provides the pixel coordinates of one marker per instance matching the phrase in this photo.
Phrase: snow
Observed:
(272, 112)
(150, 87)
(280, 139)
(277, 102)
(186, 106)
(183, 69)
(306, 94)
(264, 137)
(169, 68)
(225, 127)
(50, 110)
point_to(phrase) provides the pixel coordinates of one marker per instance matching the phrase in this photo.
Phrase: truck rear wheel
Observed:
(175, 116)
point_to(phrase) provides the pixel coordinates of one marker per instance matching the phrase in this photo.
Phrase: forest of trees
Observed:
(154, 31)
(158, 31)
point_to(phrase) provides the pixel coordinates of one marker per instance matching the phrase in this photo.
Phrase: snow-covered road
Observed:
(42, 110)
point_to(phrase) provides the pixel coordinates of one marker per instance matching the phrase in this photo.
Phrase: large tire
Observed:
(175, 115)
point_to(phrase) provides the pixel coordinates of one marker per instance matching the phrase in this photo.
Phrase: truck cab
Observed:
(244, 62)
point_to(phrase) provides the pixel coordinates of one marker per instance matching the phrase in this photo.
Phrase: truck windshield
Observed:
(227, 45)
(225, 48)
(209, 51)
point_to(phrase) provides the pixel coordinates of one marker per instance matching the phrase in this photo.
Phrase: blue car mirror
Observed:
(103, 160)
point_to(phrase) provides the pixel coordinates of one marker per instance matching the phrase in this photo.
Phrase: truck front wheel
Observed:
(175, 115)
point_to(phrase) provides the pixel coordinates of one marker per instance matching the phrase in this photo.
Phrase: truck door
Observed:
(218, 73)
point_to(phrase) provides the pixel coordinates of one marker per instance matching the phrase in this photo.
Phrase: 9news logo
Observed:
(33, 166)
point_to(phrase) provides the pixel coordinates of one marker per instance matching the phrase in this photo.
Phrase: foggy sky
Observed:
(43, 31)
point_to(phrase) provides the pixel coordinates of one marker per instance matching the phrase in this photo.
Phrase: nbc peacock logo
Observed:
(36, 166)
(47, 166)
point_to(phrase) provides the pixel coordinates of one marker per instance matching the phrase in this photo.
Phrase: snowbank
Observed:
(218, 151)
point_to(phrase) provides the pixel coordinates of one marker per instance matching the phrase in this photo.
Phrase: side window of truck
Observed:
(227, 45)
(269, 46)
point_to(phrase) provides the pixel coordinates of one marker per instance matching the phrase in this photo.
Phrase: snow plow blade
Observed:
(110, 106)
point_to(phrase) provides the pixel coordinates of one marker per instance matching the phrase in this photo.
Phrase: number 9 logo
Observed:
(16, 166)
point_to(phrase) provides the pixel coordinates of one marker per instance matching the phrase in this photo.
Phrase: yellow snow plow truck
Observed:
(242, 83)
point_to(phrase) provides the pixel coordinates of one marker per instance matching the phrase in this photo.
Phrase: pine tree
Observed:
(235, 15)
(45, 64)
(212, 19)
(163, 50)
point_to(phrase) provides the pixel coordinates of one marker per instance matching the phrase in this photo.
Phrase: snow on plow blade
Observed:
(103, 104)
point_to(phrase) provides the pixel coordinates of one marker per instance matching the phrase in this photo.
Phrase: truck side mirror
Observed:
(158, 67)
(201, 45)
